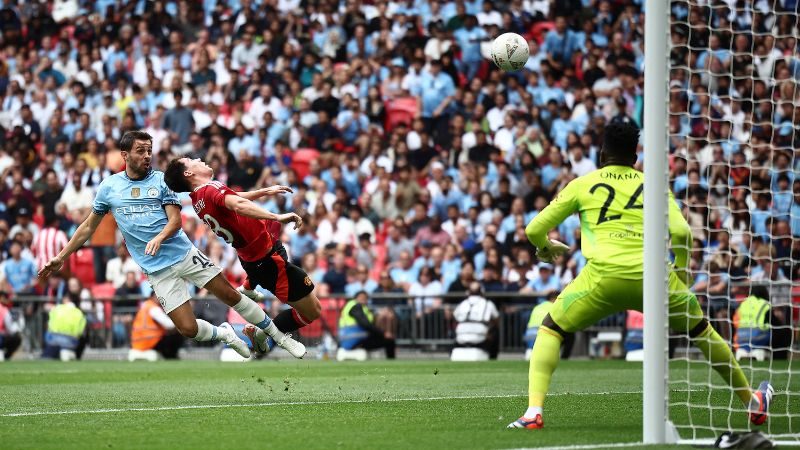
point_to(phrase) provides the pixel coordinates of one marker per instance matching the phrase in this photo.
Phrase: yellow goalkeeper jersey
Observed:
(609, 201)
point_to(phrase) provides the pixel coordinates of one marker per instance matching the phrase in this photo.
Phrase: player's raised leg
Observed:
(170, 288)
(251, 312)
(687, 316)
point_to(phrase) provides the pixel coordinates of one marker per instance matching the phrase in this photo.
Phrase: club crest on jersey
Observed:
(152, 192)
(136, 192)
(307, 281)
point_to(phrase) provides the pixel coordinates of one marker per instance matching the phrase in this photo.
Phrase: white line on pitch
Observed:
(588, 446)
(325, 402)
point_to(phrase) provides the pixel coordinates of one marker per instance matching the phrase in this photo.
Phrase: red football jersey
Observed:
(252, 238)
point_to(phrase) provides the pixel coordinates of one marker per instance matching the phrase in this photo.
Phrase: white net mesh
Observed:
(735, 170)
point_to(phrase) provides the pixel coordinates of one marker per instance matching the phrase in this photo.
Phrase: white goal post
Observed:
(722, 121)
(656, 78)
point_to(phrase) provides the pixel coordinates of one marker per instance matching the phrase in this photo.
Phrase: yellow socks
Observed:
(722, 360)
(544, 359)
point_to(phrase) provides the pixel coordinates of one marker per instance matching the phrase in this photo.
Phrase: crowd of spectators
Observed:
(423, 206)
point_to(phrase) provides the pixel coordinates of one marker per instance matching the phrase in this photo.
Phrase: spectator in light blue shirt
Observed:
(760, 215)
(560, 43)
(714, 50)
(469, 39)
(795, 211)
(243, 142)
(782, 199)
(561, 128)
(362, 282)
(545, 284)
(20, 272)
(436, 89)
(360, 45)
(352, 122)
(404, 274)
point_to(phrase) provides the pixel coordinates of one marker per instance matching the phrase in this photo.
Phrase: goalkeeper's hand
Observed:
(685, 275)
(552, 251)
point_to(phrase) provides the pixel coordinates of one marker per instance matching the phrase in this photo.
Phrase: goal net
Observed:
(734, 164)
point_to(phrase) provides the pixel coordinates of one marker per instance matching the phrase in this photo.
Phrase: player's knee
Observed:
(698, 329)
(315, 311)
(550, 324)
(187, 328)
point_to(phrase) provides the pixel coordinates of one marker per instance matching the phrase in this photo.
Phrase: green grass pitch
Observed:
(323, 404)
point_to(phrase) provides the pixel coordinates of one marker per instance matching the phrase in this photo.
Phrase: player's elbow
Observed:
(532, 231)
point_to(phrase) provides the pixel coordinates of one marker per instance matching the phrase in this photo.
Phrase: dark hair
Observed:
(760, 291)
(174, 178)
(620, 140)
(126, 143)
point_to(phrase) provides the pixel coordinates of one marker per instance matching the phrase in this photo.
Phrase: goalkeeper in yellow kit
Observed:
(609, 201)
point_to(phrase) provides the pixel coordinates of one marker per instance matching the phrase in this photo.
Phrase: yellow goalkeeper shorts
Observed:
(593, 296)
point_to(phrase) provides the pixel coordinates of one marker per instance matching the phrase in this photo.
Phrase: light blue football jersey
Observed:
(138, 207)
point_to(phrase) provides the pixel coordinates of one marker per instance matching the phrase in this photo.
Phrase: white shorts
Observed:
(169, 284)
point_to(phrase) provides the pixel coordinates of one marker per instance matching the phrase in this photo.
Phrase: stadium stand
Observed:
(274, 92)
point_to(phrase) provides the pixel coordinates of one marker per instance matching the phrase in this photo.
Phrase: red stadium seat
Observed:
(400, 110)
(301, 159)
(82, 265)
(539, 30)
(102, 291)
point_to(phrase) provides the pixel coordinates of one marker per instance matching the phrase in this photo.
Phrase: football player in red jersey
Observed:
(255, 234)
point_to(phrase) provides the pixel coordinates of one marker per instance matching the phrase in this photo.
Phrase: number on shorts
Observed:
(202, 260)
(217, 229)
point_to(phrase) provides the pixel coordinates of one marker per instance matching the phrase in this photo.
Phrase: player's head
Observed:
(760, 291)
(136, 148)
(620, 140)
(183, 174)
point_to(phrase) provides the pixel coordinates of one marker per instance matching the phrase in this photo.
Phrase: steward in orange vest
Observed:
(152, 329)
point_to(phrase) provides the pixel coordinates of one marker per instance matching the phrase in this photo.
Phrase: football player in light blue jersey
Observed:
(149, 216)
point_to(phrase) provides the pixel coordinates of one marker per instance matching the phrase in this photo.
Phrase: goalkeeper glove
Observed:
(552, 251)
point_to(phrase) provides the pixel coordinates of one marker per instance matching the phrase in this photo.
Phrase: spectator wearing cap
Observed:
(24, 222)
(10, 333)
(545, 283)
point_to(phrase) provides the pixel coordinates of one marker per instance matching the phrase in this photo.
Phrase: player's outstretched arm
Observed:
(245, 207)
(174, 224)
(266, 192)
(559, 209)
(82, 234)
